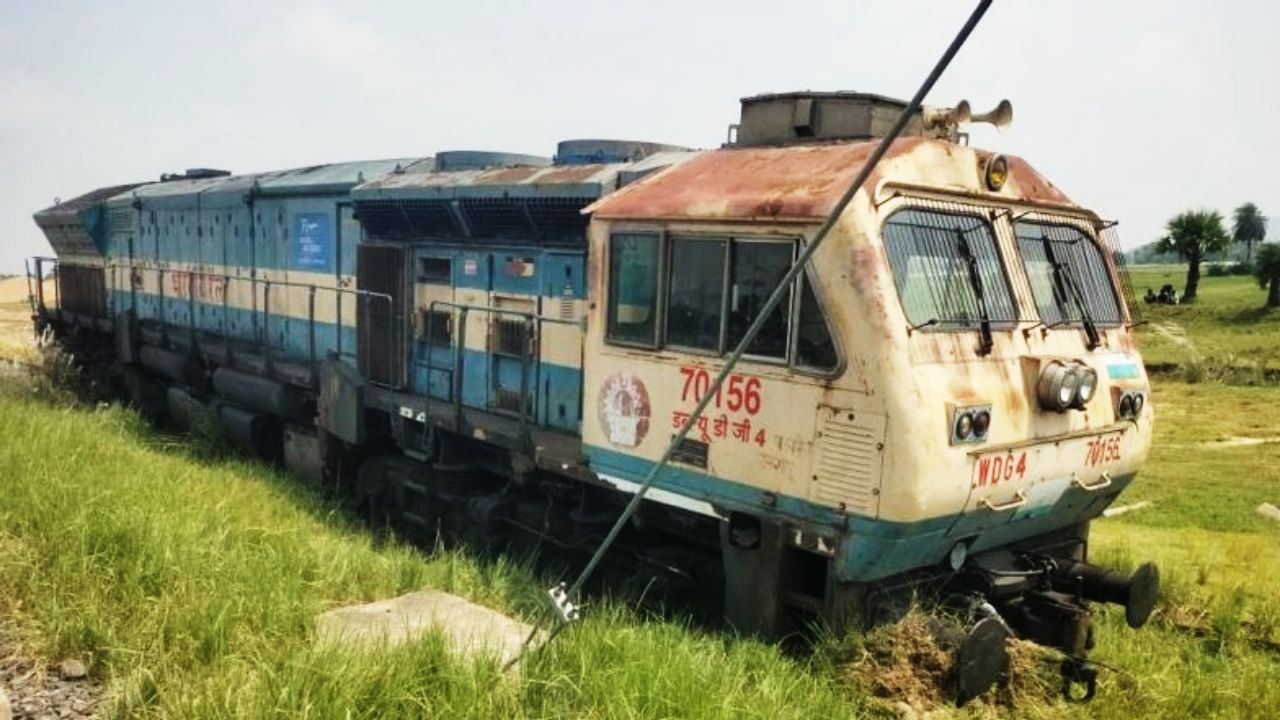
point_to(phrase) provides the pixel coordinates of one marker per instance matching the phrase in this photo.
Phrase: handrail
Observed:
(261, 331)
(531, 320)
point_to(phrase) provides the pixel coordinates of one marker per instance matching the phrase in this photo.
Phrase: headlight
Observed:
(1049, 389)
(1067, 389)
(1138, 402)
(964, 426)
(1088, 386)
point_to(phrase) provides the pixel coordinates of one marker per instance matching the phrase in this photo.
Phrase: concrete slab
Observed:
(471, 630)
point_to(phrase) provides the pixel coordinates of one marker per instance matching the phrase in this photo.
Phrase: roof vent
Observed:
(812, 117)
(195, 174)
(806, 117)
(595, 152)
(479, 159)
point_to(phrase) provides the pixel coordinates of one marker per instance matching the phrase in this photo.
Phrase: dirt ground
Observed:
(16, 338)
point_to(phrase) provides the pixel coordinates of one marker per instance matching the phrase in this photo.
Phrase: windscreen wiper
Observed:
(985, 341)
(1065, 281)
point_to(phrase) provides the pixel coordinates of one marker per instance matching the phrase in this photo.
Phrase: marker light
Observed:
(981, 423)
(969, 423)
(997, 172)
(1126, 405)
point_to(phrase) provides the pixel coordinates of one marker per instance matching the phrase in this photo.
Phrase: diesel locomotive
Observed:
(499, 347)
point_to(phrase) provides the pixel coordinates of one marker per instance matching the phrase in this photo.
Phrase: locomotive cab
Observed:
(950, 386)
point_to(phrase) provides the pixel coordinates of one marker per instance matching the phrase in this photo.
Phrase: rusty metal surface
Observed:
(802, 183)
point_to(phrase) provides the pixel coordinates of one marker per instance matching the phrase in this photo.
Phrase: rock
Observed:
(1123, 509)
(6, 713)
(1269, 511)
(72, 669)
(470, 629)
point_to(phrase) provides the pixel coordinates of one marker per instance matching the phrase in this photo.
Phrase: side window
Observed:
(695, 304)
(633, 289)
(757, 267)
(436, 271)
(814, 346)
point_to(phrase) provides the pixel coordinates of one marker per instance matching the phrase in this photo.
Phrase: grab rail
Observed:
(261, 319)
(532, 322)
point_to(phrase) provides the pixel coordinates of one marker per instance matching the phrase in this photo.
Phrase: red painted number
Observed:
(739, 393)
(1102, 450)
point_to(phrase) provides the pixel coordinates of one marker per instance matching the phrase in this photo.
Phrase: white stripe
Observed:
(666, 497)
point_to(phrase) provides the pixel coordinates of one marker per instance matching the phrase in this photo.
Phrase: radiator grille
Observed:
(382, 325)
(849, 453)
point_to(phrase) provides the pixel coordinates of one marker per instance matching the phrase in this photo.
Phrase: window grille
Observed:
(948, 268)
(1068, 276)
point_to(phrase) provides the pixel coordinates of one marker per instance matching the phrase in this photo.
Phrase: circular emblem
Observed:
(623, 405)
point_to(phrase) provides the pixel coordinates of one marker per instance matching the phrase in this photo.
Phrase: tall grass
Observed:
(191, 581)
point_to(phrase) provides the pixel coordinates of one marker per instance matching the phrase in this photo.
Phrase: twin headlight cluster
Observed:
(1066, 385)
(1130, 404)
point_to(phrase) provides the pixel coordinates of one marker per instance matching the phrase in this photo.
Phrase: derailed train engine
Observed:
(498, 347)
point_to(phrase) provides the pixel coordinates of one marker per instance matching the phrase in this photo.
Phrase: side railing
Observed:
(530, 355)
(35, 282)
(192, 284)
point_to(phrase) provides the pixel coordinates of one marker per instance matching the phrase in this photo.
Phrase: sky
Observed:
(1138, 110)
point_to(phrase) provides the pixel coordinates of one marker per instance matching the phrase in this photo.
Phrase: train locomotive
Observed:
(499, 347)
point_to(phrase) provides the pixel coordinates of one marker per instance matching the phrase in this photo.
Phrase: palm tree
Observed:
(1192, 235)
(1249, 227)
(1267, 270)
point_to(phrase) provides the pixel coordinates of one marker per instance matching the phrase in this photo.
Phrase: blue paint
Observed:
(289, 335)
(1123, 371)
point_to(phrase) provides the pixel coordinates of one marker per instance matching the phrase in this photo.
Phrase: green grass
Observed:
(1227, 332)
(190, 582)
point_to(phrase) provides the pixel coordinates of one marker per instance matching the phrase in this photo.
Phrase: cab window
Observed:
(1068, 276)
(947, 269)
(757, 267)
(633, 289)
(695, 300)
(814, 345)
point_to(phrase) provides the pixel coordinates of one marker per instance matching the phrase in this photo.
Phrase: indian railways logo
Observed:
(623, 405)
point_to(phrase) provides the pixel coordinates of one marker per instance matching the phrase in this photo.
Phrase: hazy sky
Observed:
(1137, 109)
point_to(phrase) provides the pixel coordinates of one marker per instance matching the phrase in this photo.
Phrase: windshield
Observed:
(947, 269)
(1069, 279)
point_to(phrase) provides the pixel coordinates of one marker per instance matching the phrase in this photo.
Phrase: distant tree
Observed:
(1192, 235)
(1249, 226)
(1267, 270)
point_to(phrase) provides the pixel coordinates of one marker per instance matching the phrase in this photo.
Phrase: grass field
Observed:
(1226, 335)
(189, 579)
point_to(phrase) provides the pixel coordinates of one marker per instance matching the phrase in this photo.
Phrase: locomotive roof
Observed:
(802, 183)
(313, 179)
(581, 180)
(68, 210)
